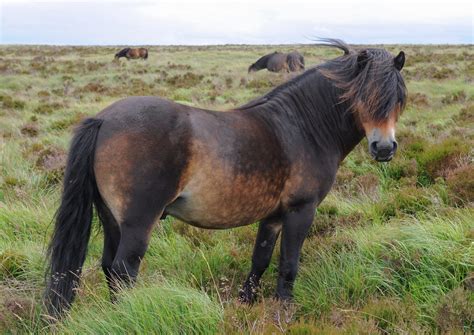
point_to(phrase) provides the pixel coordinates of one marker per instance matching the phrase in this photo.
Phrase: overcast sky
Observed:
(90, 22)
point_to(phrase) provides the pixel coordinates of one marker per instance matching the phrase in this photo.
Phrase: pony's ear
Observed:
(362, 59)
(399, 61)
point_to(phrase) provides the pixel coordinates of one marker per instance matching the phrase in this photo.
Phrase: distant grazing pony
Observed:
(132, 53)
(270, 161)
(279, 62)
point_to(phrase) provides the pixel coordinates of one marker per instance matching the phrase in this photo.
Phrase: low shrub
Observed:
(410, 200)
(8, 102)
(30, 129)
(456, 97)
(67, 122)
(439, 159)
(47, 108)
(187, 80)
(418, 99)
(455, 312)
(400, 168)
(259, 84)
(52, 161)
(461, 184)
(466, 115)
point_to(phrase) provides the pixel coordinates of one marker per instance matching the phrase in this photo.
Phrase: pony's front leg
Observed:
(296, 224)
(267, 235)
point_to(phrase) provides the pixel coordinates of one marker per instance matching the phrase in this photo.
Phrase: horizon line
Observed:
(221, 44)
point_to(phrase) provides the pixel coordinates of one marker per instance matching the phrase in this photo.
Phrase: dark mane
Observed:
(309, 101)
(283, 87)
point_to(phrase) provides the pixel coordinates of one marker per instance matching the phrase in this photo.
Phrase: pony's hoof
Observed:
(247, 295)
(284, 298)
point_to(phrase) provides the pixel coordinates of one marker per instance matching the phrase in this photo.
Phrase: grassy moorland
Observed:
(391, 249)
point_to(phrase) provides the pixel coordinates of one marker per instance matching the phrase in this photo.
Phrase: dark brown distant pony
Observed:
(279, 62)
(132, 53)
(272, 160)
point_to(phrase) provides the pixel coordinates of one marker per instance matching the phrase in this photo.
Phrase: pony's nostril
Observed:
(395, 146)
(373, 147)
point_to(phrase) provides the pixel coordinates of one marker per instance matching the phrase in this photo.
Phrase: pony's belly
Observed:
(222, 207)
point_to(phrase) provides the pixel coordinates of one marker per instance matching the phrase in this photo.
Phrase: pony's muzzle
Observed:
(383, 151)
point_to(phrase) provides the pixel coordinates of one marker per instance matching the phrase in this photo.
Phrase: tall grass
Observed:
(163, 308)
(415, 259)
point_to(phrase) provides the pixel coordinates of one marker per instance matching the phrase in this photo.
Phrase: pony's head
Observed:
(122, 53)
(371, 83)
(252, 68)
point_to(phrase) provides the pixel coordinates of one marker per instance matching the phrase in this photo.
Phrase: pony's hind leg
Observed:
(111, 241)
(135, 229)
(267, 235)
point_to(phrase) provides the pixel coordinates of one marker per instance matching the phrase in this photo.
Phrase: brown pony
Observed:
(272, 160)
(279, 62)
(130, 53)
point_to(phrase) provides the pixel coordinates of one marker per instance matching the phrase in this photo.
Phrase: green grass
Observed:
(158, 309)
(390, 250)
(398, 260)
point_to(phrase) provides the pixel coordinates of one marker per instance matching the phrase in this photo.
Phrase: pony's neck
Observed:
(310, 105)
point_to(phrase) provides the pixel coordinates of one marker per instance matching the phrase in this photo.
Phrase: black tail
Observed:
(146, 54)
(68, 247)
